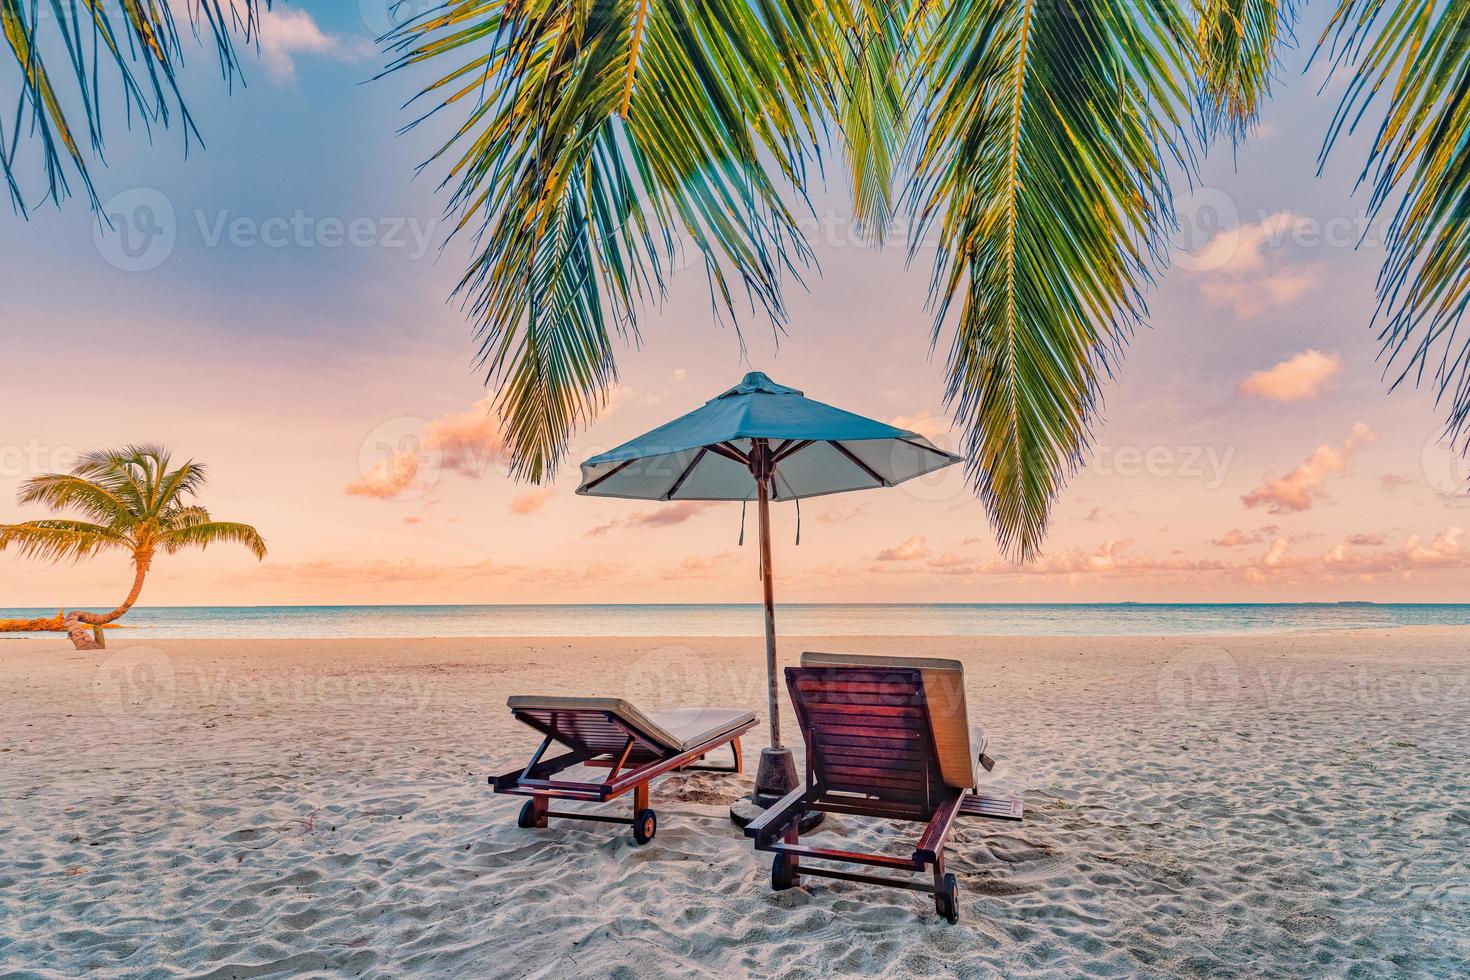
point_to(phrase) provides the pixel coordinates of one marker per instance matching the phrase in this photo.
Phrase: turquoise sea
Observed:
(796, 619)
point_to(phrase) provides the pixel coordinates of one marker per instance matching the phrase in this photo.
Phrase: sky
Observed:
(275, 305)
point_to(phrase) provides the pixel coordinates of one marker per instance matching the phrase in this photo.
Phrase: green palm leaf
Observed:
(594, 133)
(60, 540)
(1419, 169)
(203, 534)
(1238, 43)
(1044, 166)
(70, 55)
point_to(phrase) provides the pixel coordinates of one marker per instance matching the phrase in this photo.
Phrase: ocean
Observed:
(795, 619)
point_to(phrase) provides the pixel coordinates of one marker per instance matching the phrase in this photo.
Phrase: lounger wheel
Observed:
(947, 899)
(645, 825)
(527, 817)
(783, 872)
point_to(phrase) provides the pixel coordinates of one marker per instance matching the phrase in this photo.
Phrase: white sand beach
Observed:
(1284, 805)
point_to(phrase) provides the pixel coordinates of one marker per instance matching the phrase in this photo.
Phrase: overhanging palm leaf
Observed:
(62, 49)
(596, 132)
(1050, 128)
(1419, 168)
(1238, 43)
(876, 60)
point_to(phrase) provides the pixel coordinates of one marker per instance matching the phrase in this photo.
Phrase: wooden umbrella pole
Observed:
(768, 594)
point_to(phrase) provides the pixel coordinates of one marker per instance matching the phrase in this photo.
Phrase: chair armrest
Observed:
(775, 820)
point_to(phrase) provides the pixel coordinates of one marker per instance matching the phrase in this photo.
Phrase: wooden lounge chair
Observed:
(885, 737)
(610, 733)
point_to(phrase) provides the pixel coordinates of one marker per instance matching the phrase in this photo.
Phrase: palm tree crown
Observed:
(131, 501)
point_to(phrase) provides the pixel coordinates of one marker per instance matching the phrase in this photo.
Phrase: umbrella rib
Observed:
(685, 475)
(785, 453)
(729, 452)
(859, 463)
(933, 449)
(610, 473)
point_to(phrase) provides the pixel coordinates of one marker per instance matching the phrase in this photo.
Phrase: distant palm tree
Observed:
(1036, 138)
(134, 503)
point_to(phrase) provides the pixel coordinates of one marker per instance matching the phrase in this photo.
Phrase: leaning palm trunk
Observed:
(80, 626)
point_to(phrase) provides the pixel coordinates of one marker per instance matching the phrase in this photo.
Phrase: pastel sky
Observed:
(292, 332)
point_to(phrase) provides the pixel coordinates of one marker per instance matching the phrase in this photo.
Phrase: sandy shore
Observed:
(1268, 805)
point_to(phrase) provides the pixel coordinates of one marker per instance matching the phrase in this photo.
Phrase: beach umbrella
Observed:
(765, 442)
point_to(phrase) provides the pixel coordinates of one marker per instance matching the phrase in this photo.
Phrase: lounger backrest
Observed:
(944, 695)
(867, 732)
(586, 723)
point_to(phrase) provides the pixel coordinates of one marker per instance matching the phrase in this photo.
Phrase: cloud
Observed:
(1367, 540)
(912, 549)
(1393, 481)
(700, 566)
(926, 424)
(467, 442)
(667, 515)
(1297, 490)
(531, 501)
(286, 34)
(388, 477)
(1235, 537)
(1295, 379)
(411, 520)
(462, 442)
(1251, 296)
(1234, 266)
(1241, 250)
(836, 514)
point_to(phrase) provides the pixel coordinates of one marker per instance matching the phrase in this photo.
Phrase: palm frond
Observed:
(593, 133)
(1050, 132)
(202, 535)
(1419, 170)
(1238, 42)
(70, 54)
(62, 491)
(876, 61)
(59, 540)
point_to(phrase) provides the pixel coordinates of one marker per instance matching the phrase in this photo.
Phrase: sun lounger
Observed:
(610, 733)
(885, 737)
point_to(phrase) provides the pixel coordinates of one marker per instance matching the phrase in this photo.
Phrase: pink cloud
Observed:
(1248, 297)
(1393, 481)
(912, 549)
(926, 424)
(531, 501)
(467, 442)
(1297, 490)
(1243, 249)
(1235, 537)
(1295, 379)
(1367, 540)
(388, 477)
(666, 515)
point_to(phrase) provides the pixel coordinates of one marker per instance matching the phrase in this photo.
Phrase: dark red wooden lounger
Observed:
(885, 737)
(610, 733)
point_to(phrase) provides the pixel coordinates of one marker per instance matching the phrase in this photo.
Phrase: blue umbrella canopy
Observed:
(760, 428)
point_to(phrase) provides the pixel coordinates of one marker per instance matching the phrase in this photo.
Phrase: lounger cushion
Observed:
(944, 690)
(678, 730)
